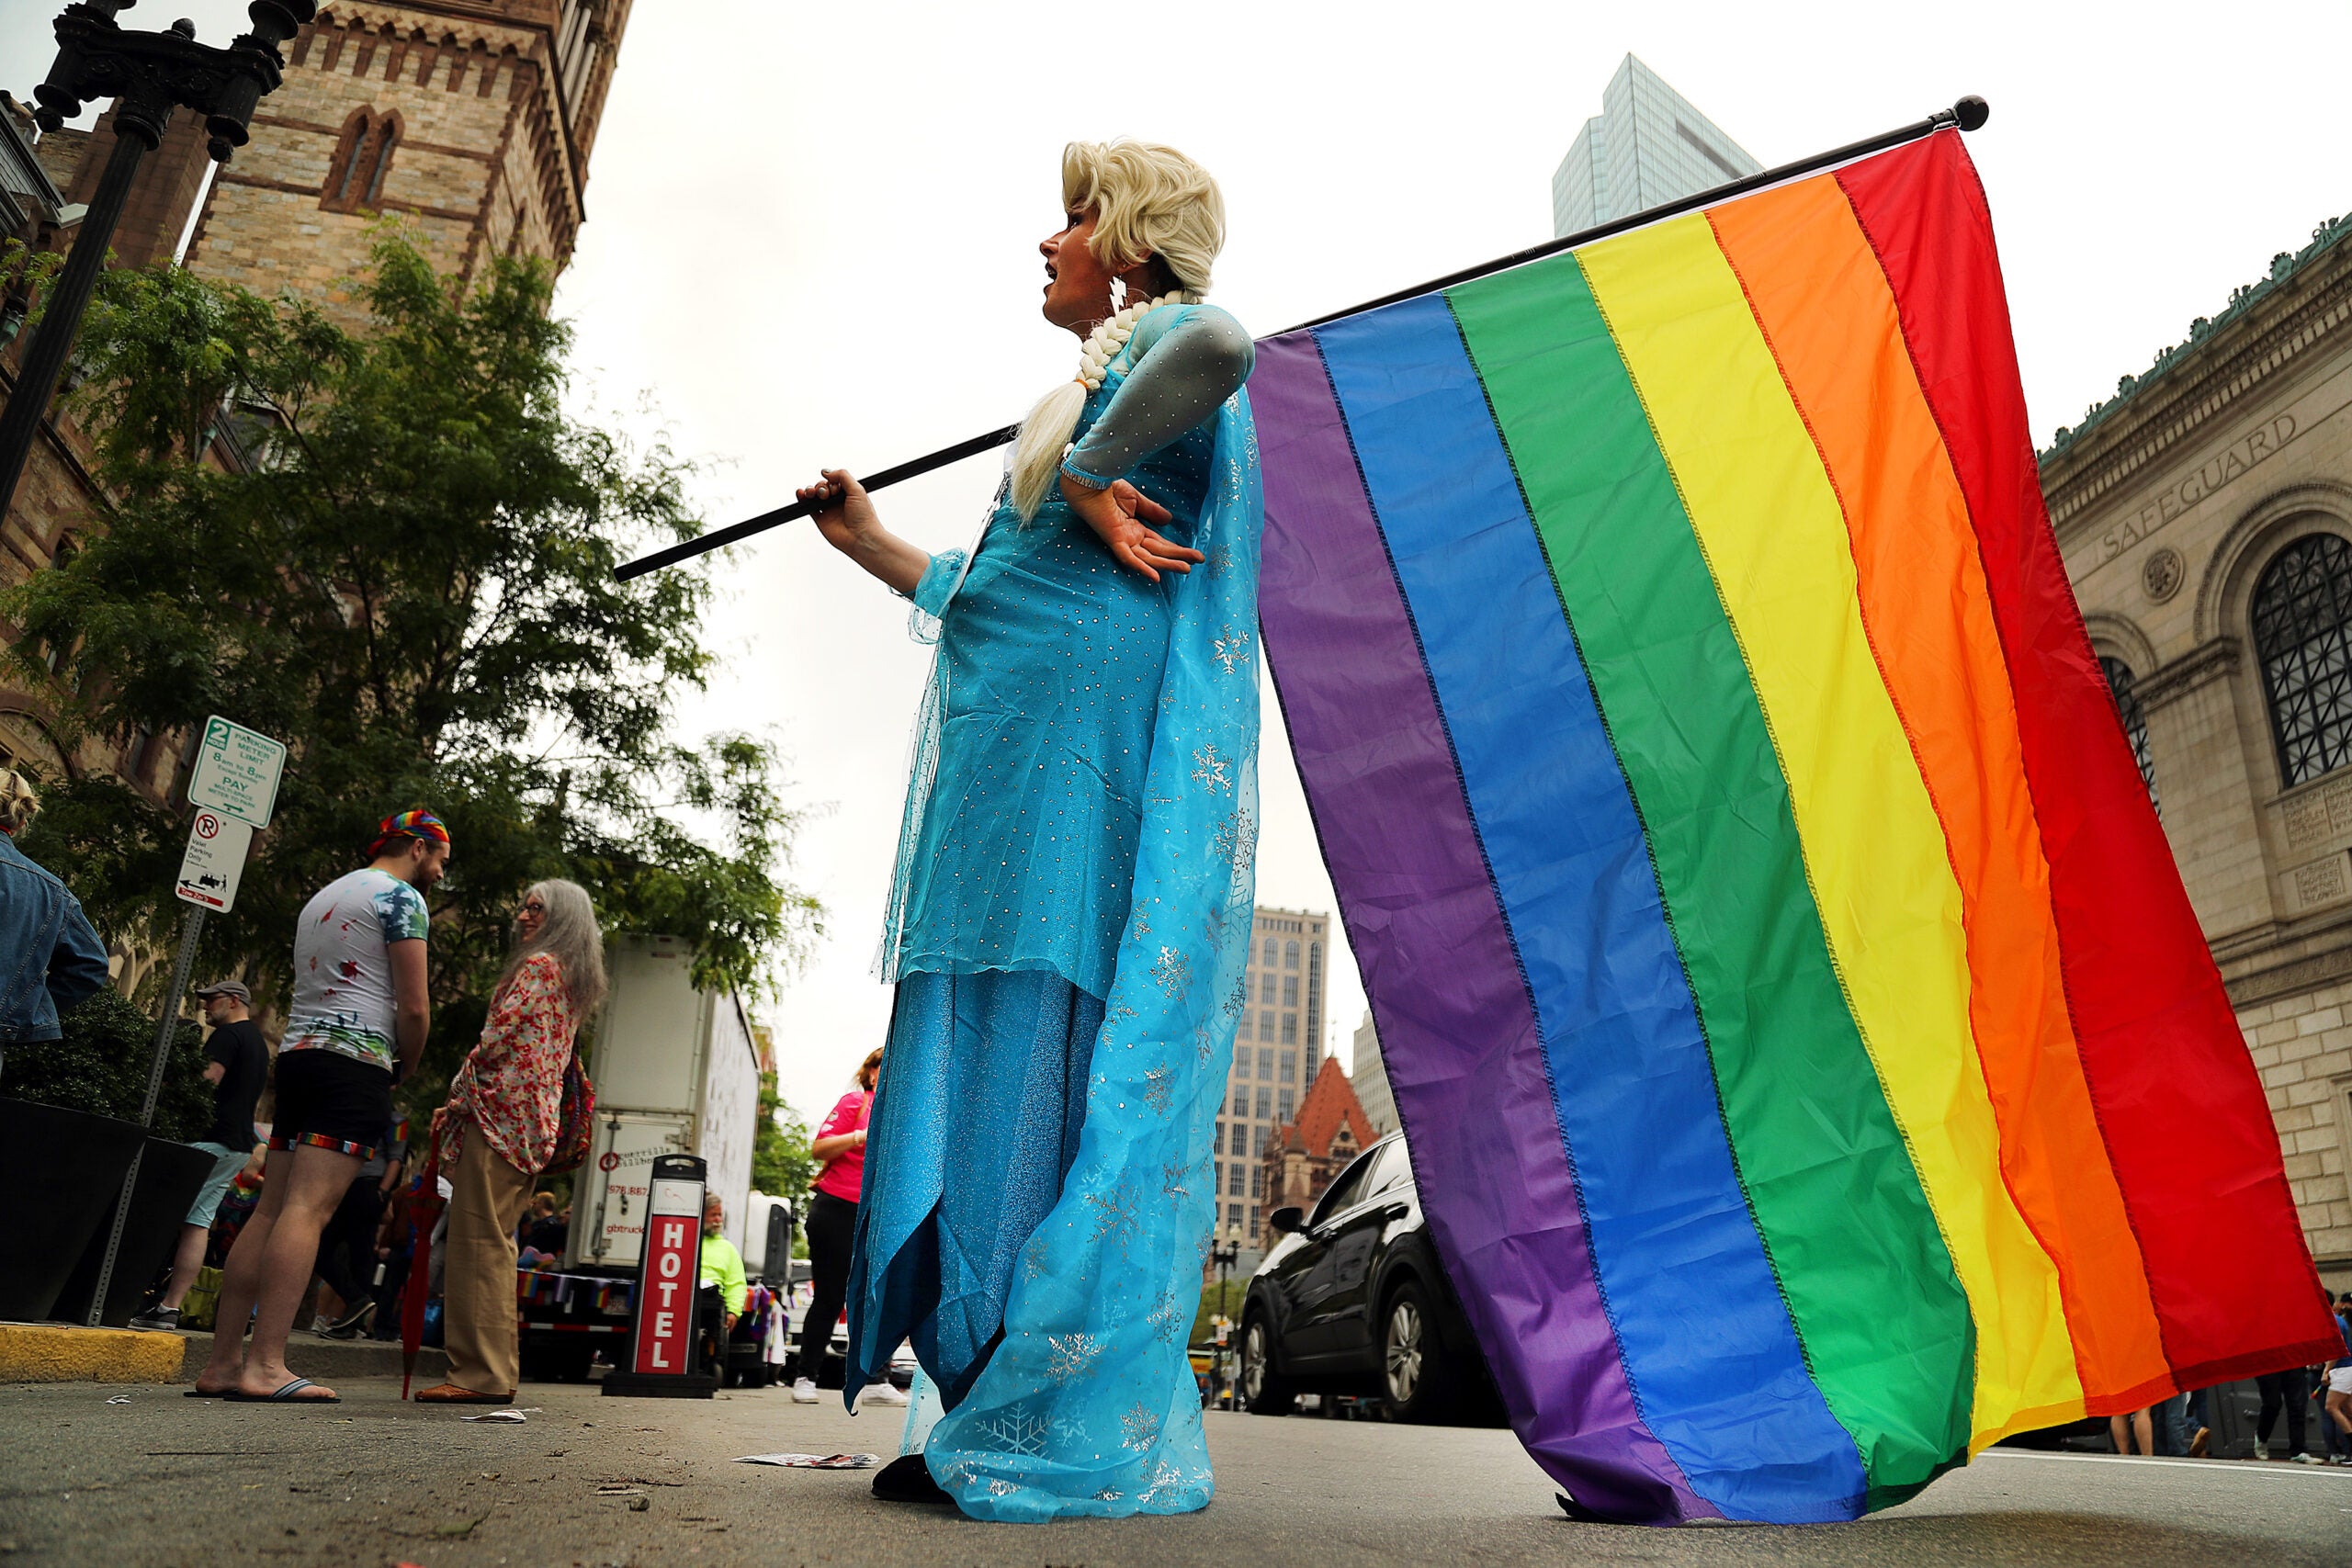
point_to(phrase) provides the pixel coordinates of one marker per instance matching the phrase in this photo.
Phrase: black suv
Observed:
(1352, 1301)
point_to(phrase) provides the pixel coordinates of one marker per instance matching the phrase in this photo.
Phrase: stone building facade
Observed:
(2205, 513)
(472, 122)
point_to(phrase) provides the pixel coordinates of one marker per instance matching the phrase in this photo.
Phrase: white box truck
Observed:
(675, 1072)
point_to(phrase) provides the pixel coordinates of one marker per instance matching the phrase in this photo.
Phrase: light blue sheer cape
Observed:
(1141, 896)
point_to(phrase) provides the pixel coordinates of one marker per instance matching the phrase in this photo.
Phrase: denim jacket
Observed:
(50, 958)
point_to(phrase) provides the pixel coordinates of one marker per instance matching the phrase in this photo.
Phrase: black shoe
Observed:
(907, 1480)
(157, 1318)
(354, 1323)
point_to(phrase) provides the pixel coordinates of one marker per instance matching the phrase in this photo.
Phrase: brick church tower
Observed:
(472, 122)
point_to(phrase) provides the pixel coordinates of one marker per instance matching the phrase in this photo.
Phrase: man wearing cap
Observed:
(358, 1023)
(238, 1064)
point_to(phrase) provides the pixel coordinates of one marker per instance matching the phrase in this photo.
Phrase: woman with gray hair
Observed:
(498, 1131)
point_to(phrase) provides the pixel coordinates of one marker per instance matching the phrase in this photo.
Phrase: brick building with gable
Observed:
(1303, 1158)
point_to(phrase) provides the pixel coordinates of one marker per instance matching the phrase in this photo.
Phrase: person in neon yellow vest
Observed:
(722, 1266)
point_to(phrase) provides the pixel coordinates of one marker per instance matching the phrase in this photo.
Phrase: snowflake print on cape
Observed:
(1212, 768)
(1166, 1320)
(1173, 972)
(1236, 840)
(1139, 1429)
(1074, 1355)
(1232, 650)
(1016, 1431)
(1115, 1217)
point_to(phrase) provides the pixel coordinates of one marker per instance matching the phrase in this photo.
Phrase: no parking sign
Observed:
(662, 1346)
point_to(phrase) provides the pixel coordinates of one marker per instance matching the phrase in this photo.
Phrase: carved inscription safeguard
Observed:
(2321, 881)
(2197, 484)
(2318, 815)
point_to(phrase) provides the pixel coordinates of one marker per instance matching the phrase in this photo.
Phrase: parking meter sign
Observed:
(662, 1348)
(236, 772)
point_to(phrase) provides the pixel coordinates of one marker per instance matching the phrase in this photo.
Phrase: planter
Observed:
(65, 1168)
(169, 1178)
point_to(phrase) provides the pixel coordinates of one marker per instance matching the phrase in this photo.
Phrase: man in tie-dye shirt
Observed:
(358, 1023)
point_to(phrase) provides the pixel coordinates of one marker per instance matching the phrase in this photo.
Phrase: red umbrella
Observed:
(424, 1210)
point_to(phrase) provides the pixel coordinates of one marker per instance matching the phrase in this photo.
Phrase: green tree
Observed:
(406, 574)
(781, 1165)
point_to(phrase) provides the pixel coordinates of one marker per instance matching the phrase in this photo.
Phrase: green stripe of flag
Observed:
(1870, 1286)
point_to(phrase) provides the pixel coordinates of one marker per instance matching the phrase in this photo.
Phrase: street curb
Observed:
(59, 1352)
(327, 1359)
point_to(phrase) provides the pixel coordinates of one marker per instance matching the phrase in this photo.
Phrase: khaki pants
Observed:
(478, 1281)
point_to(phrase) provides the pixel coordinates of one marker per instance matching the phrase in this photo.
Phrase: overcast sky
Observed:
(812, 232)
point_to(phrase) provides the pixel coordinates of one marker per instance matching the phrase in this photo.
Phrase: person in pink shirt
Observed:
(832, 1225)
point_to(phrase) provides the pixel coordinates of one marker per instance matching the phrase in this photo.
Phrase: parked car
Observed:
(1351, 1301)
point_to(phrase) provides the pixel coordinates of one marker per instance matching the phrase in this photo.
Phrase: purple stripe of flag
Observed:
(1457, 1030)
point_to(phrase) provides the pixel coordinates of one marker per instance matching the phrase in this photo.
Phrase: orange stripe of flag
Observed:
(1825, 307)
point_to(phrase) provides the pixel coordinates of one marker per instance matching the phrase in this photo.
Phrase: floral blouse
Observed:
(512, 1083)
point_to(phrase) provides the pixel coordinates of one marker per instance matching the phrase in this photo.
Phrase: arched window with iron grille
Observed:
(2303, 637)
(2120, 680)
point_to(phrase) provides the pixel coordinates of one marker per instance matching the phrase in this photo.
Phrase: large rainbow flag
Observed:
(1813, 1068)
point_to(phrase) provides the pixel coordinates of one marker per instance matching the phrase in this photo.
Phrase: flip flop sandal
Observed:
(290, 1395)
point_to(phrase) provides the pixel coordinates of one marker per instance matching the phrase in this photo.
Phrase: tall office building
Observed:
(1646, 145)
(1370, 1079)
(1277, 1046)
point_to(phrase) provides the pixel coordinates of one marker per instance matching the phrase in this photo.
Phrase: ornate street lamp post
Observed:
(147, 74)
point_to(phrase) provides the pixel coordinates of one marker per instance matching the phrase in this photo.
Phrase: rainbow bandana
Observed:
(1814, 1067)
(416, 824)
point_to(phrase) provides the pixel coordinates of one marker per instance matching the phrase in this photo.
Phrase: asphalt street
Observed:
(591, 1480)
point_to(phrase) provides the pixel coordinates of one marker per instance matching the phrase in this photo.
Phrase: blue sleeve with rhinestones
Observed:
(938, 582)
(1187, 361)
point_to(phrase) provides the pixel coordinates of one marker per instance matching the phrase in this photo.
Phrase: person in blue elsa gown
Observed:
(1071, 908)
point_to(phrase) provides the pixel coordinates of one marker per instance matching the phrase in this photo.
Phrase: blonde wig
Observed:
(18, 803)
(1149, 201)
(572, 937)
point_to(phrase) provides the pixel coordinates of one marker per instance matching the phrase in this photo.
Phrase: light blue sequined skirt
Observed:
(974, 1125)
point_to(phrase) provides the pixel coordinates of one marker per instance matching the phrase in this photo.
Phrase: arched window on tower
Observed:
(2302, 637)
(362, 158)
(2135, 722)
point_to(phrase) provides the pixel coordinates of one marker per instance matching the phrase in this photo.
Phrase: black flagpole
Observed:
(1967, 114)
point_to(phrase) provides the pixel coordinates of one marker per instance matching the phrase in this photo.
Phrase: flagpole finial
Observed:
(1972, 112)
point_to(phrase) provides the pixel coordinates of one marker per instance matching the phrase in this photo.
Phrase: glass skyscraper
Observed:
(1646, 146)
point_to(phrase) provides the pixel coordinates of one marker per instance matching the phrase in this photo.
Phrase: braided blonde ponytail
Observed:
(1044, 435)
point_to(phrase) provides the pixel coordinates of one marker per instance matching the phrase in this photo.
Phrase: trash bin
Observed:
(64, 1170)
(170, 1175)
